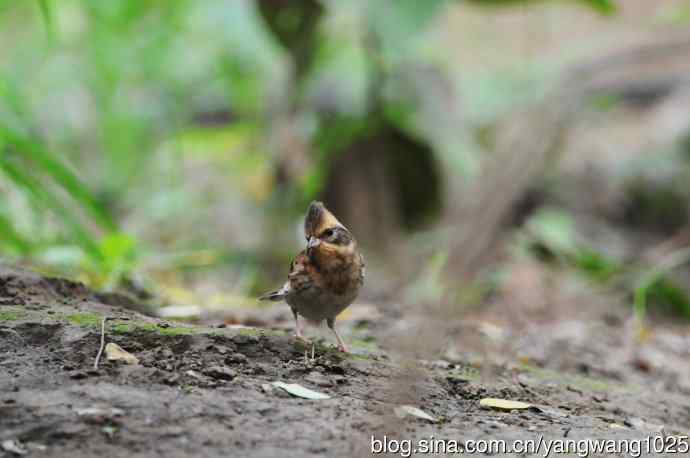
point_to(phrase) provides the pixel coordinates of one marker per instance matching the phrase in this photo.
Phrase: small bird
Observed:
(326, 276)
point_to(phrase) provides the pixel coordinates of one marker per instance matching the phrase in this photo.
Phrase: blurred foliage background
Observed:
(167, 150)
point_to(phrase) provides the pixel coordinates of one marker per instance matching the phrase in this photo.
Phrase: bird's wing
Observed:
(300, 278)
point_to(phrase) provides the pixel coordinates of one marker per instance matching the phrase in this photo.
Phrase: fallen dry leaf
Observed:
(13, 446)
(114, 352)
(504, 404)
(405, 410)
(99, 412)
(300, 391)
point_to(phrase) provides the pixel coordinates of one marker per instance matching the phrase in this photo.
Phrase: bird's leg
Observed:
(298, 329)
(298, 325)
(341, 345)
(300, 337)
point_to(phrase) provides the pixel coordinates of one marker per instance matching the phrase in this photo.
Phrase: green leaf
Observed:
(37, 191)
(602, 6)
(336, 133)
(64, 177)
(654, 283)
(398, 22)
(12, 237)
(595, 265)
(118, 255)
(47, 16)
(45, 11)
(311, 182)
(554, 228)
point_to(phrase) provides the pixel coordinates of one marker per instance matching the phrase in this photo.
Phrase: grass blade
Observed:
(46, 14)
(10, 235)
(37, 191)
(652, 278)
(62, 176)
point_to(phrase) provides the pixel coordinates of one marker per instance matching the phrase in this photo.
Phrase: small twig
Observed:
(100, 350)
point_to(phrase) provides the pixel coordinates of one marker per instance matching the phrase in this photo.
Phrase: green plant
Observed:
(102, 93)
(655, 284)
(552, 235)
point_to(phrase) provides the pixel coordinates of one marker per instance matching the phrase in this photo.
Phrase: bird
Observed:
(326, 276)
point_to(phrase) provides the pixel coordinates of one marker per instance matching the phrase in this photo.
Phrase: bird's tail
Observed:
(277, 295)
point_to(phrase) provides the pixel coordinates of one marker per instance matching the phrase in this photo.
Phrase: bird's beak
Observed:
(313, 242)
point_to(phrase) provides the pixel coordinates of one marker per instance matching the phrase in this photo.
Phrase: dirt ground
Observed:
(206, 391)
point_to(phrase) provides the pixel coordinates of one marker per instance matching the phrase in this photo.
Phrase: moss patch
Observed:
(244, 331)
(10, 315)
(257, 332)
(364, 344)
(84, 318)
(124, 327)
(360, 356)
(464, 373)
(580, 382)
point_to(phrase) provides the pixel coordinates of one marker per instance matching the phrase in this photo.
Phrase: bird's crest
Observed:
(319, 219)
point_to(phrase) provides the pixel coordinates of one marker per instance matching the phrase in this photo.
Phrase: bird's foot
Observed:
(340, 344)
(302, 339)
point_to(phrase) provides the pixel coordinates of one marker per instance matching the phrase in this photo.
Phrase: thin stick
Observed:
(100, 350)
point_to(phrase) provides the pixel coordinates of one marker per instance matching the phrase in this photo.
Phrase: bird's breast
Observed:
(317, 304)
(330, 292)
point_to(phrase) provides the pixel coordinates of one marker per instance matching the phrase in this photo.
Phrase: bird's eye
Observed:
(328, 232)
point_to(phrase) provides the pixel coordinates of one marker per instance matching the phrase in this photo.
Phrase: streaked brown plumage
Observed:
(325, 277)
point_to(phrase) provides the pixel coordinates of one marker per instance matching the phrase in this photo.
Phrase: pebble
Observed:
(242, 339)
(220, 372)
(236, 358)
(172, 380)
(318, 379)
(78, 375)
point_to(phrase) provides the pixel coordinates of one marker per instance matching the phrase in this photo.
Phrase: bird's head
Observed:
(324, 233)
